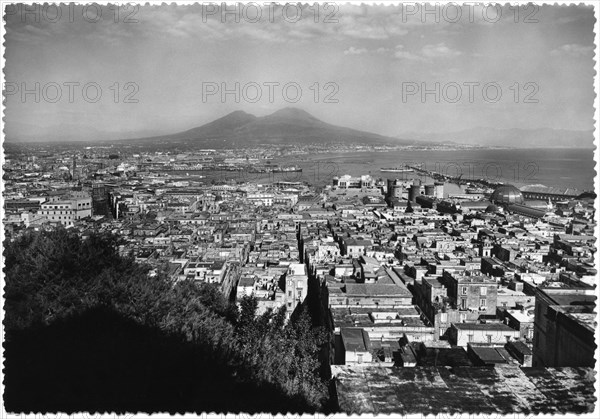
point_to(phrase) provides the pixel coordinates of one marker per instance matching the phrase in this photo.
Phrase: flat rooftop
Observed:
(483, 326)
(461, 389)
(377, 290)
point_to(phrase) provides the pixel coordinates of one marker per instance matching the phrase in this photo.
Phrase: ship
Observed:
(396, 170)
(287, 169)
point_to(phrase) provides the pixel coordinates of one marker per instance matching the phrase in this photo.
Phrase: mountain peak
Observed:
(291, 112)
(238, 113)
(286, 126)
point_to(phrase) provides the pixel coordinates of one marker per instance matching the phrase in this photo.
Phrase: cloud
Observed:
(360, 51)
(355, 51)
(346, 23)
(439, 51)
(405, 55)
(429, 52)
(574, 50)
(195, 22)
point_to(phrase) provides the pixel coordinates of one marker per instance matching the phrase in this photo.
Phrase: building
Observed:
(265, 199)
(521, 352)
(462, 334)
(565, 321)
(439, 190)
(347, 182)
(526, 211)
(394, 189)
(507, 194)
(544, 193)
(355, 345)
(485, 355)
(296, 287)
(474, 293)
(521, 320)
(377, 295)
(67, 211)
(455, 390)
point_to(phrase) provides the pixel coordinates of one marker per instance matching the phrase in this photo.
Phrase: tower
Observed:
(485, 250)
(74, 168)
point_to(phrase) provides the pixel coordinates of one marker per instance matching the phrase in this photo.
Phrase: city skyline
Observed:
(316, 209)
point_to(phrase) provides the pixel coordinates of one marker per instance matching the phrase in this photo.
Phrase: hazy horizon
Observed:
(419, 136)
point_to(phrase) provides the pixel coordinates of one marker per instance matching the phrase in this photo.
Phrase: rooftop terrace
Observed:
(433, 390)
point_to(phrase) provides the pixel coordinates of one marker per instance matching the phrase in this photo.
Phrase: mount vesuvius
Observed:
(285, 126)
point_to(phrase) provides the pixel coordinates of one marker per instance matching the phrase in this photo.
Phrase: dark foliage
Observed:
(88, 329)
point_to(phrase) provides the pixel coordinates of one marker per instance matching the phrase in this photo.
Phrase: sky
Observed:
(162, 69)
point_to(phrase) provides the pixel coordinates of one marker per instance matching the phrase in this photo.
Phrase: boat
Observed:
(395, 170)
(287, 169)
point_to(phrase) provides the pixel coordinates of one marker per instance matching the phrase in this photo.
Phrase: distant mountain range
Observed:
(24, 133)
(285, 126)
(295, 126)
(511, 138)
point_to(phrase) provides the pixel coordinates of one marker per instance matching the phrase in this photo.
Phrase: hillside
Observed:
(285, 126)
(88, 329)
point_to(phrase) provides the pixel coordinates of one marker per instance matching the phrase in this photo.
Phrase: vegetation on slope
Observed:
(88, 329)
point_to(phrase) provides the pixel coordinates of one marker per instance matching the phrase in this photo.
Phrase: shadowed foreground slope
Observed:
(101, 361)
(88, 329)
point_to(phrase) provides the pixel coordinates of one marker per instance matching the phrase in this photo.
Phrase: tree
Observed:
(56, 275)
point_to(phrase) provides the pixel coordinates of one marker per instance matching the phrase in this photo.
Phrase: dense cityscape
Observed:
(430, 301)
(326, 209)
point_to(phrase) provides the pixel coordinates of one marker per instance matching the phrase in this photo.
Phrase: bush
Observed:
(52, 277)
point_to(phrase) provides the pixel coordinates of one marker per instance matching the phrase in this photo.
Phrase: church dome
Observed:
(507, 194)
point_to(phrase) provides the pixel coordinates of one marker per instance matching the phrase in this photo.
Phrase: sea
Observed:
(555, 167)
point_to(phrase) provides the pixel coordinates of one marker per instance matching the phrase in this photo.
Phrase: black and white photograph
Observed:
(321, 209)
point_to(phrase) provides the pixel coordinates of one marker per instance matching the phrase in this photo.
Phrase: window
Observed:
(470, 338)
(483, 290)
(489, 338)
(463, 303)
(483, 302)
(463, 290)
